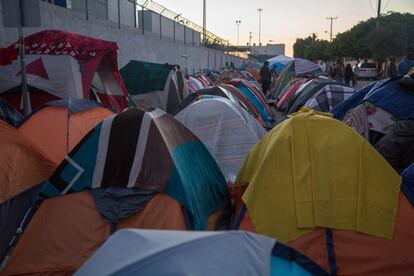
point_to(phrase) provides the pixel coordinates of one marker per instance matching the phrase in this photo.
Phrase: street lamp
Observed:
(238, 31)
(260, 10)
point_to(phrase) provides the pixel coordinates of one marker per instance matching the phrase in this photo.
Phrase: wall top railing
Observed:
(211, 40)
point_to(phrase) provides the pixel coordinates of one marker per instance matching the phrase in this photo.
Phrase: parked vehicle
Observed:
(366, 70)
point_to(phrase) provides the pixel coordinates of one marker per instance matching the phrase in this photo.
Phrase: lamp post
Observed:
(204, 21)
(238, 31)
(260, 10)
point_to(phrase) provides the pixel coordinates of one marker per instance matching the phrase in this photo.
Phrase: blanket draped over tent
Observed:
(309, 190)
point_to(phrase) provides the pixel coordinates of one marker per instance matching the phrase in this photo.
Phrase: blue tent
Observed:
(146, 252)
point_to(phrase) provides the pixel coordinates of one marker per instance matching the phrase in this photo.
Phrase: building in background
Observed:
(262, 53)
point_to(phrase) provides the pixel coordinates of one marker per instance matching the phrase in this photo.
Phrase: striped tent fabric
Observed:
(147, 150)
(304, 66)
(228, 131)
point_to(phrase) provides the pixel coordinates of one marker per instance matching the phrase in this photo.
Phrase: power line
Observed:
(386, 5)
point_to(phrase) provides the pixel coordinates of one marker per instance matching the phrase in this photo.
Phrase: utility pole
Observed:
(378, 13)
(238, 31)
(260, 10)
(332, 19)
(204, 21)
(250, 38)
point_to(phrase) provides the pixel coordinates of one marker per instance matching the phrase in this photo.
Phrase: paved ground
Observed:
(362, 83)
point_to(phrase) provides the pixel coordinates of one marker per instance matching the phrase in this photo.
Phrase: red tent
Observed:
(63, 65)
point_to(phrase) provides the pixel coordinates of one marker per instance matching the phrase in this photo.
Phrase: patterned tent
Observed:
(298, 67)
(147, 150)
(154, 85)
(62, 65)
(227, 130)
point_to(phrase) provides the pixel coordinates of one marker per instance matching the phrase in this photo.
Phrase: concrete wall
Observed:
(131, 42)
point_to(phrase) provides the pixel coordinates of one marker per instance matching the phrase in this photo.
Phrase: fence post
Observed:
(184, 34)
(160, 26)
(142, 19)
(119, 14)
(135, 14)
(87, 9)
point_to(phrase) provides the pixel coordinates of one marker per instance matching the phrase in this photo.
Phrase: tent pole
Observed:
(27, 109)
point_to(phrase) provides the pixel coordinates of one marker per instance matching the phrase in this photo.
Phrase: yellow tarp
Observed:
(314, 171)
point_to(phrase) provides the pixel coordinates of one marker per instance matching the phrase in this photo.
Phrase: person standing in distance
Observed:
(266, 77)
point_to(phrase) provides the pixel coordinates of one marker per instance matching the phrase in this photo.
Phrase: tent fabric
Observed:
(23, 168)
(397, 146)
(9, 114)
(226, 129)
(287, 92)
(116, 203)
(23, 165)
(152, 85)
(12, 216)
(246, 102)
(65, 231)
(329, 96)
(342, 108)
(74, 105)
(53, 60)
(407, 186)
(59, 126)
(393, 98)
(148, 150)
(190, 253)
(256, 98)
(303, 95)
(315, 186)
(359, 254)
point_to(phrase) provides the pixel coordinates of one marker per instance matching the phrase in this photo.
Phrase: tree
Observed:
(389, 40)
(362, 40)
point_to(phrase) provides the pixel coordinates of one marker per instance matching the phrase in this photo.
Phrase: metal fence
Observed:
(160, 9)
(132, 13)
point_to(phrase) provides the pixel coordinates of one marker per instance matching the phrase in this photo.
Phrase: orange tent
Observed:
(22, 164)
(59, 126)
(67, 230)
(23, 167)
(356, 253)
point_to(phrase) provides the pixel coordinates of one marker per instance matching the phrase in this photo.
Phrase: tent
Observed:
(23, 167)
(154, 85)
(227, 130)
(326, 98)
(148, 150)
(256, 97)
(59, 126)
(196, 253)
(288, 92)
(136, 169)
(337, 200)
(66, 230)
(9, 114)
(279, 62)
(62, 65)
(296, 68)
(307, 91)
(194, 84)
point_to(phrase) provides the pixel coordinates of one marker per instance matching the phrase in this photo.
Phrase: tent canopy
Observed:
(59, 126)
(194, 253)
(147, 150)
(63, 65)
(228, 131)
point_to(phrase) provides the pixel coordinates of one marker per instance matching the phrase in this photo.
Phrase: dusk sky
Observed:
(282, 20)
